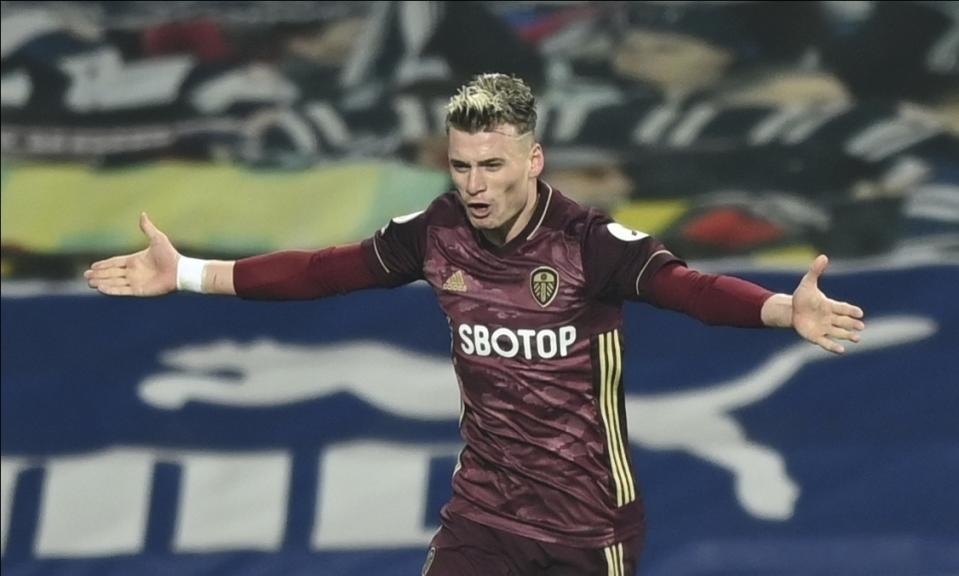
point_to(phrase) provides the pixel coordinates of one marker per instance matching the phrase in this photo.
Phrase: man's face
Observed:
(494, 173)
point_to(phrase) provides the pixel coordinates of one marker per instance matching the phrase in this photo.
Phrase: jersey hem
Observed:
(542, 534)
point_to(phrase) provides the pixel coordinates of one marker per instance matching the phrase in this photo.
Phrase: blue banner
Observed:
(201, 435)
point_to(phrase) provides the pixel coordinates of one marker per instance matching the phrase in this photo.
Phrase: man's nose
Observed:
(475, 183)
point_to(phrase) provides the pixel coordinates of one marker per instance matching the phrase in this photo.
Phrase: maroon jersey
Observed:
(537, 349)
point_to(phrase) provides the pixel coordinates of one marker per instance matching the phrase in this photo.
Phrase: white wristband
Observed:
(189, 274)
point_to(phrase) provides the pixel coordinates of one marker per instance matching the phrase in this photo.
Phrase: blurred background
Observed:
(201, 435)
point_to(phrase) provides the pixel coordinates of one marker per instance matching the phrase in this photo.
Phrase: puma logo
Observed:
(700, 422)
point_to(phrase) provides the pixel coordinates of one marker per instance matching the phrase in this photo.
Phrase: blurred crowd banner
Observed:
(202, 435)
(729, 129)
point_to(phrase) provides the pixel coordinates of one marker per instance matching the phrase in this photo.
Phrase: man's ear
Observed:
(536, 161)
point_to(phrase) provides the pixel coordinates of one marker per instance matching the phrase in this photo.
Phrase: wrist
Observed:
(777, 311)
(189, 274)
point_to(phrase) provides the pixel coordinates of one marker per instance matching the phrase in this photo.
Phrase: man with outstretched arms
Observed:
(533, 285)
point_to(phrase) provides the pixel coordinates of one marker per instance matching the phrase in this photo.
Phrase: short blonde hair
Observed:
(490, 100)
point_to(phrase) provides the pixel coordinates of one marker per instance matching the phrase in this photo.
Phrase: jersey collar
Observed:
(544, 197)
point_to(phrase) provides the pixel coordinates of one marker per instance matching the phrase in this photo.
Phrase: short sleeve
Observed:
(395, 253)
(620, 262)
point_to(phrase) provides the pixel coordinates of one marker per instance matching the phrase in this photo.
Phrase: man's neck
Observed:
(511, 229)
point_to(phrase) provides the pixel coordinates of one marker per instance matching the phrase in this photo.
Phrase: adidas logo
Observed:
(455, 283)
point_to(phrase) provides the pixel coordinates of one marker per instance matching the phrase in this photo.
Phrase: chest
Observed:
(538, 283)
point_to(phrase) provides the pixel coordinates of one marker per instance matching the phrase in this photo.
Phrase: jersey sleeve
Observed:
(710, 298)
(396, 252)
(619, 263)
(300, 275)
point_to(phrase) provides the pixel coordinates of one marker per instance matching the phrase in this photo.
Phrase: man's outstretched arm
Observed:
(159, 269)
(731, 301)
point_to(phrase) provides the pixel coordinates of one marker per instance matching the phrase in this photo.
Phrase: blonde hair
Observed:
(490, 100)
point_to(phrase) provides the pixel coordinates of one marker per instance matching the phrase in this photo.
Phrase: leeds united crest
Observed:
(544, 284)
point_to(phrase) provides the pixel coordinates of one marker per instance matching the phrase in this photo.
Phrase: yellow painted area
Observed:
(220, 208)
(802, 255)
(228, 210)
(650, 216)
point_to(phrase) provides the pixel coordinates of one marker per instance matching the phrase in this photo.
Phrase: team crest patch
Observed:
(544, 284)
(429, 561)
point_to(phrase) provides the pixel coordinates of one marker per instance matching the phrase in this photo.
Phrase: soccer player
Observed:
(533, 286)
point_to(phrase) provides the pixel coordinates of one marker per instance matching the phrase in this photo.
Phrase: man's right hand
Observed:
(149, 272)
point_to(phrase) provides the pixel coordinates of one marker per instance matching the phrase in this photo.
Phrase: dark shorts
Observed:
(465, 548)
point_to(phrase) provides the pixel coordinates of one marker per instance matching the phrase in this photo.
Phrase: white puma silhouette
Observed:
(269, 374)
(701, 422)
(421, 386)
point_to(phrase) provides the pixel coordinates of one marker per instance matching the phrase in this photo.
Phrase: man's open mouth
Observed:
(478, 210)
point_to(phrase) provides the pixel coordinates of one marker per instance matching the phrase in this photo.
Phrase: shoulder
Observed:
(444, 210)
(593, 228)
(397, 250)
(574, 220)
